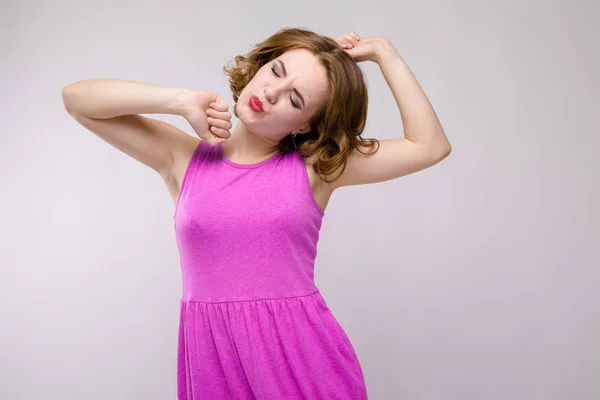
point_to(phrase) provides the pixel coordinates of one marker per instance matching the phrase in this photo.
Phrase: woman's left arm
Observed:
(421, 124)
(424, 143)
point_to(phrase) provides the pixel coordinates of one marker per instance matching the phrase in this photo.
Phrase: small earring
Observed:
(293, 136)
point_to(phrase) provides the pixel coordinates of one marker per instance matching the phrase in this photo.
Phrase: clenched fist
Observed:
(207, 113)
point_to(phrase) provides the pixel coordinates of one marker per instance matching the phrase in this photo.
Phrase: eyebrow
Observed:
(295, 90)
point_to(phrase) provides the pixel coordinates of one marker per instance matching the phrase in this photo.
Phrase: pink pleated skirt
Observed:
(273, 349)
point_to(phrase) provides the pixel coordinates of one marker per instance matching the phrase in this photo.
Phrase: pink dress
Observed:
(253, 325)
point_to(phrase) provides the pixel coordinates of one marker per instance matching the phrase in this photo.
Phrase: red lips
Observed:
(256, 104)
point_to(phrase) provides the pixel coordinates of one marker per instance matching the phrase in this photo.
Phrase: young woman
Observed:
(249, 203)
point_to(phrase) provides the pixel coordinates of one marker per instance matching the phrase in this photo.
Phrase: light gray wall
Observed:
(475, 279)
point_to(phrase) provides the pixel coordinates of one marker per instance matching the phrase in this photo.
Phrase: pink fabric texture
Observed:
(253, 325)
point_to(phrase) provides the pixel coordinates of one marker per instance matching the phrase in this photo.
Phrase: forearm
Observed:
(421, 124)
(106, 98)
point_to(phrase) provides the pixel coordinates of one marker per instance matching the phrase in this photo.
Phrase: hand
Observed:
(364, 49)
(208, 115)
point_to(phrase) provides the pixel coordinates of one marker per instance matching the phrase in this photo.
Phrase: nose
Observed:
(272, 92)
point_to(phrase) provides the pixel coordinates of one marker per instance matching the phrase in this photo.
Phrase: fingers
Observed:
(220, 132)
(218, 119)
(219, 123)
(211, 112)
(353, 37)
(349, 40)
(219, 105)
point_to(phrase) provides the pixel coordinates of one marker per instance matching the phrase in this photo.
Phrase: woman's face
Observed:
(283, 95)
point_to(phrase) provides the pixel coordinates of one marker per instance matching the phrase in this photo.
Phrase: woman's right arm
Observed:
(109, 108)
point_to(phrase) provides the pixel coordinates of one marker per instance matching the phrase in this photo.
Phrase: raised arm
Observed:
(424, 142)
(110, 108)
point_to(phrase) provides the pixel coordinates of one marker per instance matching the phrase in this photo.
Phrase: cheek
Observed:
(289, 116)
(246, 90)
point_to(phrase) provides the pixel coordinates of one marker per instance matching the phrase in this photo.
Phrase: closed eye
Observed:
(296, 105)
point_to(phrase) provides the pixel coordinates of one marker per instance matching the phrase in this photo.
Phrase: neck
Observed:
(246, 147)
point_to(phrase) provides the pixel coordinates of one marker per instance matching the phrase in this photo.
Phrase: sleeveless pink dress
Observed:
(253, 325)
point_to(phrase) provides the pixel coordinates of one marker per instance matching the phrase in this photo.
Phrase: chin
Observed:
(258, 129)
(249, 120)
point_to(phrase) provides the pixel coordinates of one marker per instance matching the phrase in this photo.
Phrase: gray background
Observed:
(474, 279)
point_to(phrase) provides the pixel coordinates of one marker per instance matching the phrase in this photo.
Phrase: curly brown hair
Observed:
(336, 127)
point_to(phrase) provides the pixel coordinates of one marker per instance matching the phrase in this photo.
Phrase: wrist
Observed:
(183, 102)
(385, 51)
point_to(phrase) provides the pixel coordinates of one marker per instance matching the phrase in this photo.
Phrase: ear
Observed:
(303, 129)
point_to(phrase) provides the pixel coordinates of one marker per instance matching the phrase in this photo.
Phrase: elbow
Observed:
(443, 150)
(68, 98)
(447, 150)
